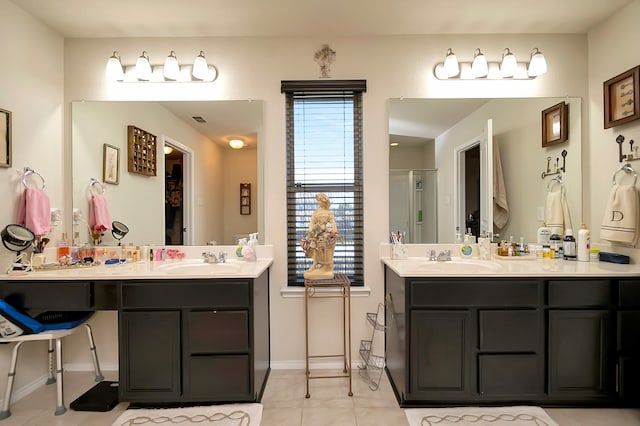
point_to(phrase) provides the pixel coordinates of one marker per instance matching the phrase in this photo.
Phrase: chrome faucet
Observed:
(222, 257)
(210, 257)
(444, 256)
(432, 256)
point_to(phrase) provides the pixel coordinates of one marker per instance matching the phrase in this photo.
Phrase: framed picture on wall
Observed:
(5, 138)
(621, 98)
(110, 164)
(555, 124)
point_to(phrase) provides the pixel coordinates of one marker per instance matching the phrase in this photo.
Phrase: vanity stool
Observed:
(17, 327)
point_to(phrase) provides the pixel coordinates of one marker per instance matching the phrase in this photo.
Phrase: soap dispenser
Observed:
(466, 250)
(249, 251)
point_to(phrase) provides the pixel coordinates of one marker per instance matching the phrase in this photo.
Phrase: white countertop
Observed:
(418, 265)
(192, 267)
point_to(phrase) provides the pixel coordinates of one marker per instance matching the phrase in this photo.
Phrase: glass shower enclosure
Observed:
(413, 204)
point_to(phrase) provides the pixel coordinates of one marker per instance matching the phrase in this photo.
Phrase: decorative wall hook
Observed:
(556, 169)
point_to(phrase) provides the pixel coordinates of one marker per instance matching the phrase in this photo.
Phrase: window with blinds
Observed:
(324, 155)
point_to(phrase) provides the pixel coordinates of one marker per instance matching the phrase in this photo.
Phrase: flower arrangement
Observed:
(319, 239)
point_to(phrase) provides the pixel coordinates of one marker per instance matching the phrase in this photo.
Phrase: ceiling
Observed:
(264, 18)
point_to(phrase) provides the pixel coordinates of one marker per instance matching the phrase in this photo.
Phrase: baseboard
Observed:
(85, 366)
(19, 393)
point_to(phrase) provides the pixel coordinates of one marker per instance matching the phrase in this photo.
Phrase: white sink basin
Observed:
(201, 268)
(456, 265)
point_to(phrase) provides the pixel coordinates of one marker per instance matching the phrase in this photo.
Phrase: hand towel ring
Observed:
(93, 183)
(556, 179)
(627, 169)
(28, 171)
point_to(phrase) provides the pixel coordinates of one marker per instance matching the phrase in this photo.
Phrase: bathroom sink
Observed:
(201, 268)
(456, 265)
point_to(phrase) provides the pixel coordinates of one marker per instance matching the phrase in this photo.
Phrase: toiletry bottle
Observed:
(458, 235)
(466, 250)
(569, 245)
(249, 252)
(583, 246)
(555, 242)
(75, 255)
(64, 251)
(543, 234)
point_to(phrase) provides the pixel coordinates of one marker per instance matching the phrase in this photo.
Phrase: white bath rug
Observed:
(479, 416)
(216, 415)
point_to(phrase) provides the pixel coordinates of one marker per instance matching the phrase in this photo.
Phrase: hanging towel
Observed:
(556, 212)
(620, 222)
(99, 217)
(500, 205)
(34, 211)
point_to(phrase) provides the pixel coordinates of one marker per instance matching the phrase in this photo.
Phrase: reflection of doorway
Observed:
(178, 182)
(472, 190)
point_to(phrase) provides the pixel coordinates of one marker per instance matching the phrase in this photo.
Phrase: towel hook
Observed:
(627, 169)
(28, 171)
(95, 182)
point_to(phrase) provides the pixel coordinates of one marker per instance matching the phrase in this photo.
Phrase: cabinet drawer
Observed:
(171, 294)
(509, 375)
(219, 377)
(579, 293)
(39, 295)
(629, 293)
(474, 292)
(509, 331)
(218, 331)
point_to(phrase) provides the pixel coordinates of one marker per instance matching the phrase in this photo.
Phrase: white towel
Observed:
(556, 212)
(500, 205)
(620, 222)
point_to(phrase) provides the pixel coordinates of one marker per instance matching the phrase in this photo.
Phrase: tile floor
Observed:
(285, 405)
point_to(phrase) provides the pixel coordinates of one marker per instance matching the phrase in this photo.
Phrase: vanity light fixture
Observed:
(509, 63)
(451, 66)
(537, 63)
(480, 68)
(143, 67)
(236, 143)
(169, 71)
(114, 69)
(167, 150)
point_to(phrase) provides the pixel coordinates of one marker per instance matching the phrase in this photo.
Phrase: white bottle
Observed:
(543, 234)
(583, 245)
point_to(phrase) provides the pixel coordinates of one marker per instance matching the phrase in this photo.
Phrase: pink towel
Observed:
(99, 217)
(34, 211)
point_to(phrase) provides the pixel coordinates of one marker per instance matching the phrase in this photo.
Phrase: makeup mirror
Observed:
(17, 238)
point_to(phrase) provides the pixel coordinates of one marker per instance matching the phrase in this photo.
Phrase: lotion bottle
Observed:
(543, 234)
(583, 245)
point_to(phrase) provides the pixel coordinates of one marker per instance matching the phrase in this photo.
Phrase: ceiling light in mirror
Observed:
(479, 67)
(451, 67)
(167, 150)
(236, 143)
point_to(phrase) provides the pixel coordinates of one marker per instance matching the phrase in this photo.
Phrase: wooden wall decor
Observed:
(245, 198)
(142, 152)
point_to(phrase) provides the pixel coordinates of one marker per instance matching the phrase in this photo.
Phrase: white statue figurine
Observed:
(320, 241)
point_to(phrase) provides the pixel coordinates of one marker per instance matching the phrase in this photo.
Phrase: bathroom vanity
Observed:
(187, 333)
(546, 333)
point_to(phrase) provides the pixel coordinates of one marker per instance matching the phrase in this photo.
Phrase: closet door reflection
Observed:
(413, 204)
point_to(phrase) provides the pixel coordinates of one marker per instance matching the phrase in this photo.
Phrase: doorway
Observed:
(177, 189)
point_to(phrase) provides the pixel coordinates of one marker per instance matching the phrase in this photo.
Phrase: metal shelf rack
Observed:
(372, 365)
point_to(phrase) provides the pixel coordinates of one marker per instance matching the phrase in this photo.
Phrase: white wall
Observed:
(613, 49)
(31, 87)
(240, 166)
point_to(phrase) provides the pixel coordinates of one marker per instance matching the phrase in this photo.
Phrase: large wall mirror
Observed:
(187, 190)
(432, 156)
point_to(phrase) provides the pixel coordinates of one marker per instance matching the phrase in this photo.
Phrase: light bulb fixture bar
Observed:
(169, 71)
(507, 68)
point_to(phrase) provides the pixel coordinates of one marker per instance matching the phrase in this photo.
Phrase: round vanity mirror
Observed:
(119, 230)
(17, 238)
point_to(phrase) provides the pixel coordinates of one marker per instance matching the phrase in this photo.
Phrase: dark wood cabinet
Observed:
(569, 341)
(194, 341)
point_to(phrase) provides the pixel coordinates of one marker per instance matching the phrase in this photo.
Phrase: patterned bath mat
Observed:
(216, 415)
(479, 416)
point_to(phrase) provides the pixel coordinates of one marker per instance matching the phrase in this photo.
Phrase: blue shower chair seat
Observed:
(18, 327)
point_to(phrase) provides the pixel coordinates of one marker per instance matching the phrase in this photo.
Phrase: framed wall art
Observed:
(245, 198)
(621, 94)
(555, 124)
(5, 138)
(141, 152)
(110, 164)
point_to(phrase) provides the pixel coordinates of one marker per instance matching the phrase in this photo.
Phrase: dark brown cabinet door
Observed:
(149, 356)
(439, 355)
(578, 354)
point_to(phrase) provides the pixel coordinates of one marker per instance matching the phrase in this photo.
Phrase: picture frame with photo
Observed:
(110, 164)
(555, 124)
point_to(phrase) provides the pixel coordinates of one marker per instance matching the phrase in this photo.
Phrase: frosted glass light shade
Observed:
(114, 69)
(451, 66)
(509, 64)
(143, 67)
(200, 67)
(236, 143)
(171, 69)
(479, 67)
(538, 64)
